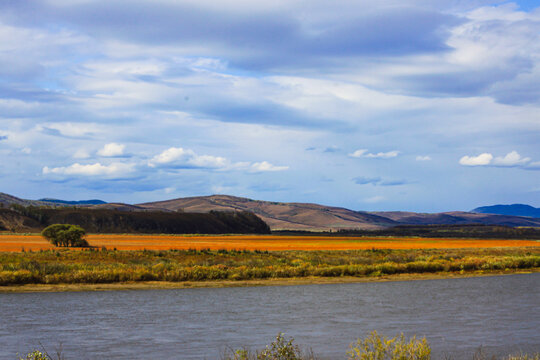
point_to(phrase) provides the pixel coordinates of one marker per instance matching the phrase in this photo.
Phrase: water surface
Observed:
(500, 313)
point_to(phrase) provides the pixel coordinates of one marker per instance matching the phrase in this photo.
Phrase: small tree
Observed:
(65, 235)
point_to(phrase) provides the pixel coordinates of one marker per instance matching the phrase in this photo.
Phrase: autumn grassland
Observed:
(33, 242)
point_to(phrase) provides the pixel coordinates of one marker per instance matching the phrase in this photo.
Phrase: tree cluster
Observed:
(65, 235)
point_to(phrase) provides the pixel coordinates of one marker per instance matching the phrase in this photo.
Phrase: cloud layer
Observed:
(274, 100)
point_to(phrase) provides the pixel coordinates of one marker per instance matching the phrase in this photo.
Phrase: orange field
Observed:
(10, 242)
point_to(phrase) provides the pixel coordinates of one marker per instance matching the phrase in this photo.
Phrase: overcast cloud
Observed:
(390, 105)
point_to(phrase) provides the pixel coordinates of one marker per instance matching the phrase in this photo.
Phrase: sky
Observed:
(413, 105)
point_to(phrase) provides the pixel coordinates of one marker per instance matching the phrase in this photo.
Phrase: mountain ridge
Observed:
(315, 217)
(297, 216)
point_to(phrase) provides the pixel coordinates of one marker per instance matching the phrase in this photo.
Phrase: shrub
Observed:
(65, 235)
(375, 347)
(279, 349)
(36, 355)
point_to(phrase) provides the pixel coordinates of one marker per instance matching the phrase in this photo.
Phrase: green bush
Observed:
(279, 349)
(375, 347)
(524, 357)
(65, 235)
(36, 355)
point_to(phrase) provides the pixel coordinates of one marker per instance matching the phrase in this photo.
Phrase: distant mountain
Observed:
(515, 210)
(79, 202)
(457, 218)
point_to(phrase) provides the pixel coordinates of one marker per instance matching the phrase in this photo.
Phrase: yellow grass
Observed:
(15, 242)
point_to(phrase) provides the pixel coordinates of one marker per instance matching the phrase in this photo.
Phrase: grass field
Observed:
(30, 259)
(18, 242)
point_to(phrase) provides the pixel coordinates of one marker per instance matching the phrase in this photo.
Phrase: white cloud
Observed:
(511, 159)
(358, 153)
(423, 158)
(480, 160)
(170, 155)
(187, 158)
(380, 155)
(383, 155)
(209, 161)
(264, 166)
(114, 170)
(111, 150)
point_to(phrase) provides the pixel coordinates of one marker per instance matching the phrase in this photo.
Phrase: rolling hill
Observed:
(314, 217)
(278, 215)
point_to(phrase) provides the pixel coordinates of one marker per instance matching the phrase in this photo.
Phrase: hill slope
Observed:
(280, 216)
(6, 200)
(150, 222)
(514, 210)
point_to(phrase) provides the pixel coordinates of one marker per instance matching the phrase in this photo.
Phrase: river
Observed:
(499, 313)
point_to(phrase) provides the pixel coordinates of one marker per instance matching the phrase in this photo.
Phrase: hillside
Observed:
(280, 216)
(15, 222)
(514, 210)
(6, 200)
(150, 222)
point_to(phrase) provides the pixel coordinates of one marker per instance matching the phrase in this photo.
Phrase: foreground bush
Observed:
(375, 347)
(36, 355)
(279, 349)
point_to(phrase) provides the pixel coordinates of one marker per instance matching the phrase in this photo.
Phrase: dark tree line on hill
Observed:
(115, 221)
(438, 231)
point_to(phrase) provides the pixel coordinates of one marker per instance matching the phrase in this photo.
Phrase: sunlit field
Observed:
(17, 242)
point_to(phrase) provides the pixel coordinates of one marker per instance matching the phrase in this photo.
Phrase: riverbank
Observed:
(311, 280)
(72, 270)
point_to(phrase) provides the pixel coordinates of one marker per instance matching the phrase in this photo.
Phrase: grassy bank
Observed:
(94, 266)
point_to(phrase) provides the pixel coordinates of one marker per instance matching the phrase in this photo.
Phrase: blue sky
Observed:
(391, 105)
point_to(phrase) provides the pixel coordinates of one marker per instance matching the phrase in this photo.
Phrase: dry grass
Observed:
(105, 266)
(16, 242)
